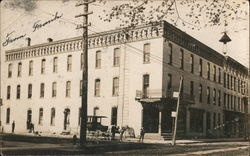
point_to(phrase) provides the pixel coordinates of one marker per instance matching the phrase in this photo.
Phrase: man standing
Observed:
(142, 133)
(13, 126)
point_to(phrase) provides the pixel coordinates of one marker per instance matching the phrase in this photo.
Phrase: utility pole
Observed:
(177, 110)
(84, 105)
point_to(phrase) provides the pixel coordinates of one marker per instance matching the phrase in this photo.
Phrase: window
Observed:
(98, 59)
(19, 69)
(8, 92)
(10, 70)
(115, 86)
(214, 96)
(30, 68)
(170, 53)
(200, 93)
(228, 81)
(52, 117)
(80, 91)
(81, 61)
(214, 74)
(79, 116)
(69, 63)
(239, 85)
(29, 91)
(117, 54)
(196, 120)
(191, 88)
(146, 53)
(145, 85)
(96, 111)
(68, 86)
(219, 98)
(41, 90)
(192, 63)
(225, 99)
(208, 95)
(208, 71)
(214, 120)
(234, 83)
(55, 62)
(219, 119)
(40, 119)
(181, 59)
(18, 90)
(114, 116)
(8, 116)
(200, 67)
(97, 87)
(239, 108)
(225, 80)
(43, 66)
(169, 81)
(54, 89)
(219, 77)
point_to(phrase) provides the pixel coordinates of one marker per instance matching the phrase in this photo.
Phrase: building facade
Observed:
(132, 78)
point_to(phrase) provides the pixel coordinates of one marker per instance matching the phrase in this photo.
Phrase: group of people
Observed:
(115, 130)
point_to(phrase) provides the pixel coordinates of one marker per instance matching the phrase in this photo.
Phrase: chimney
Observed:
(28, 41)
(49, 39)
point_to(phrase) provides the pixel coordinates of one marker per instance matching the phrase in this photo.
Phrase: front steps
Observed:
(157, 136)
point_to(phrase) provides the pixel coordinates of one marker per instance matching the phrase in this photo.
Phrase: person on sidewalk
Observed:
(142, 133)
(113, 129)
(13, 126)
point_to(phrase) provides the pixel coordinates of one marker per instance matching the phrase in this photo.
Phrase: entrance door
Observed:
(167, 121)
(66, 119)
(29, 119)
(150, 119)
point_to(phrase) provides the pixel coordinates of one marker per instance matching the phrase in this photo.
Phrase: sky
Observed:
(20, 20)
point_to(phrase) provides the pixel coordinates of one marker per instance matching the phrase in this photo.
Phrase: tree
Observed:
(197, 13)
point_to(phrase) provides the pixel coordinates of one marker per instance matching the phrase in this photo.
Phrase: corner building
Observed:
(132, 78)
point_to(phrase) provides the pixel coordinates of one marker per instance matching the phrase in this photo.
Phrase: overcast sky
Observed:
(19, 22)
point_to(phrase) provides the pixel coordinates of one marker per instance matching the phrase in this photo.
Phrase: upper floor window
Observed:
(40, 119)
(225, 99)
(81, 61)
(98, 59)
(191, 88)
(214, 74)
(208, 71)
(55, 64)
(54, 89)
(29, 91)
(18, 91)
(19, 69)
(181, 59)
(68, 87)
(170, 55)
(69, 63)
(115, 86)
(200, 93)
(200, 67)
(117, 53)
(80, 87)
(146, 53)
(8, 92)
(52, 117)
(8, 116)
(10, 70)
(191, 63)
(208, 95)
(219, 97)
(97, 87)
(219, 76)
(225, 80)
(145, 85)
(30, 68)
(169, 82)
(43, 66)
(42, 90)
(214, 96)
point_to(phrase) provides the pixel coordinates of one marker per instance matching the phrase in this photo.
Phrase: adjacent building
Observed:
(132, 78)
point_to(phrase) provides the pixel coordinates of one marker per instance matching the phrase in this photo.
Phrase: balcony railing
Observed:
(158, 93)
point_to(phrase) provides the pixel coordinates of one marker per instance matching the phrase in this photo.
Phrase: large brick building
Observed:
(132, 77)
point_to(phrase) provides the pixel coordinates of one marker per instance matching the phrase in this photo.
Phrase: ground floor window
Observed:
(196, 120)
(8, 116)
(114, 116)
(53, 115)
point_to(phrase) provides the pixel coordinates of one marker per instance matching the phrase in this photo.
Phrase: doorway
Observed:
(150, 119)
(66, 119)
(29, 119)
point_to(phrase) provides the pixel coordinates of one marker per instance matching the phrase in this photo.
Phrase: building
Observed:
(132, 78)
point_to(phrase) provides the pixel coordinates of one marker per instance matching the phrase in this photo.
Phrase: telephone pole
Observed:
(84, 105)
